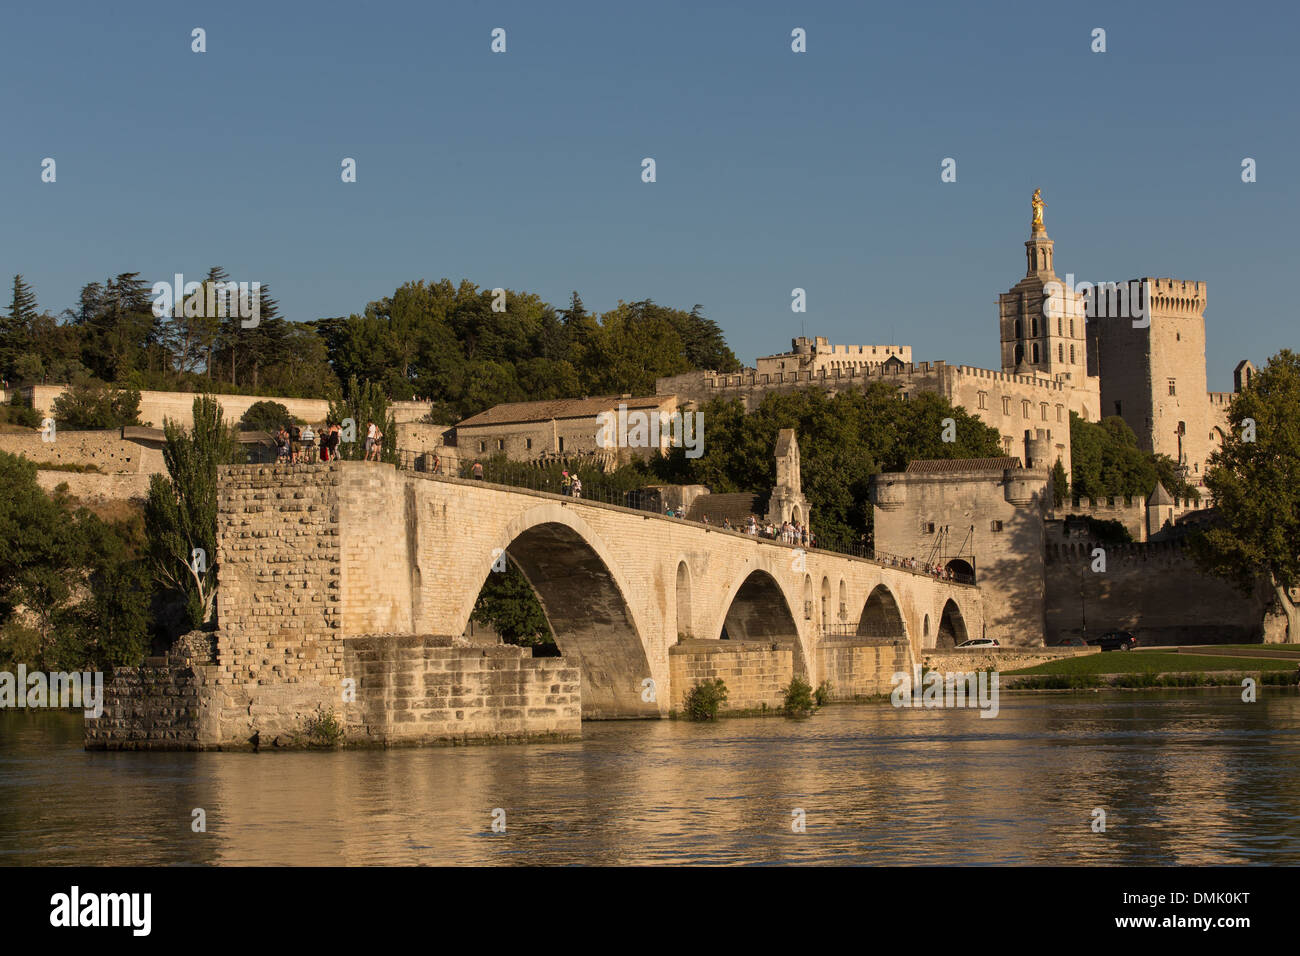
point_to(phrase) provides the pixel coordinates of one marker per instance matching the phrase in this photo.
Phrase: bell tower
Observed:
(1042, 320)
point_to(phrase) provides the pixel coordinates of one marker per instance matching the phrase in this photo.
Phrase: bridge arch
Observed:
(881, 616)
(758, 609)
(683, 596)
(582, 594)
(952, 626)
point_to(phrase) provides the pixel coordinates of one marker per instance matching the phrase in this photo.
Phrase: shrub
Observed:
(822, 694)
(324, 727)
(798, 698)
(265, 417)
(704, 699)
(90, 403)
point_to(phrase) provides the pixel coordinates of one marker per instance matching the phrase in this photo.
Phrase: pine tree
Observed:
(15, 328)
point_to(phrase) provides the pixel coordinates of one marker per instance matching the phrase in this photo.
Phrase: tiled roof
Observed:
(945, 466)
(545, 411)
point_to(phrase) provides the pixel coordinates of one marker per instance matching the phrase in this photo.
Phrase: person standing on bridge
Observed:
(577, 487)
(566, 484)
(478, 471)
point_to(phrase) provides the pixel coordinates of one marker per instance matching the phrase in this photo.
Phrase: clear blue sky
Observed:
(775, 169)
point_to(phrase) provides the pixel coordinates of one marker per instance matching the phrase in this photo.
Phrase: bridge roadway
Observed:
(618, 586)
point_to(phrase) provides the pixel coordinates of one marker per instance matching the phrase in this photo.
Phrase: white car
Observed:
(980, 642)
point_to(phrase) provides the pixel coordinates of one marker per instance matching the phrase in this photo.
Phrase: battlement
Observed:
(1034, 381)
(1221, 398)
(1176, 296)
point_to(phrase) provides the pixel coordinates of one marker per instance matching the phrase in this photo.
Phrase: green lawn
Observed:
(1154, 662)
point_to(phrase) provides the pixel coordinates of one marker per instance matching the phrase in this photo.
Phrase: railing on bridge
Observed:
(636, 498)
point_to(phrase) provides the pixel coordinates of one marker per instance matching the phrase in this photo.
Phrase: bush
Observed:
(798, 698)
(265, 417)
(90, 403)
(822, 694)
(705, 698)
(324, 728)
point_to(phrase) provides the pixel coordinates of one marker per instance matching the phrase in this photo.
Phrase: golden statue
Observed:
(1038, 204)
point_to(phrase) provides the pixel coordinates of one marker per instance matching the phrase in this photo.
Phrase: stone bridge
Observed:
(312, 557)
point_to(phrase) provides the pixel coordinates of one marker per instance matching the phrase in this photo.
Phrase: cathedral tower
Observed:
(1041, 320)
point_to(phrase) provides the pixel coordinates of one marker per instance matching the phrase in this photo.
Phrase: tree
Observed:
(265, 417)
(1106, 462)
(15, 327)
(1255, 481)
(181, 510)
(508, 604)
(74, 576)
(88, 403)
(364, 402)
(1060, 484)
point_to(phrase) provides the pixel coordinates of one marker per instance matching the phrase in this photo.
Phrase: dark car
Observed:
(1115, 641)
(1071, 642)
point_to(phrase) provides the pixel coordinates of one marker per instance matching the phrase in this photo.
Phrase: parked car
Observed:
(1115, 641)
(1071, 642)
(979, 642)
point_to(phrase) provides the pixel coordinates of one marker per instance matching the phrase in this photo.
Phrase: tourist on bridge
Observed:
(478, 471)
(566, 484)
(282, 445)
(576, 489)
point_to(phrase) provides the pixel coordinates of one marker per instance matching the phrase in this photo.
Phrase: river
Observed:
(1184, 777)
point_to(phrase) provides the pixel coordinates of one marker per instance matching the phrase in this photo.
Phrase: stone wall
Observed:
(105, 449)
(179, 406)
(998, 658)
(756, 673)
(279, 563)
(153, 707)
(424, 690)
(92, 487)
(1153, 590)
(863, 667)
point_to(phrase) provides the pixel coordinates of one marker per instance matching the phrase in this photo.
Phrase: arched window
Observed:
(1019, 330)
(1060, 352)
(1035, 353)
(1033, 326)
(1020, 353)
(1071, 354)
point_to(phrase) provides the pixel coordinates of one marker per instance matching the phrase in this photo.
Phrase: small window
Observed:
(482, 446)
(1006, 405)
(1072, 328)
(984, 399)
(995, 526)
(1043, 410)
(1172, 387)
(1071, 353)
(1060, 413)
(501, 444)
(1060, 352)
(929, 528)
(528, 444)
(561, 444)
(1024, 408)
(1119, 408)
(1006, 442)
(1036, 353)
(1033, 326)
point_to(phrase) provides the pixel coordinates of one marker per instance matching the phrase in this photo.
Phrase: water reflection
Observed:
(1200, 778)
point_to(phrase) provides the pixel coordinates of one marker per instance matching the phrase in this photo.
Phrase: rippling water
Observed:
(1184, 777)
